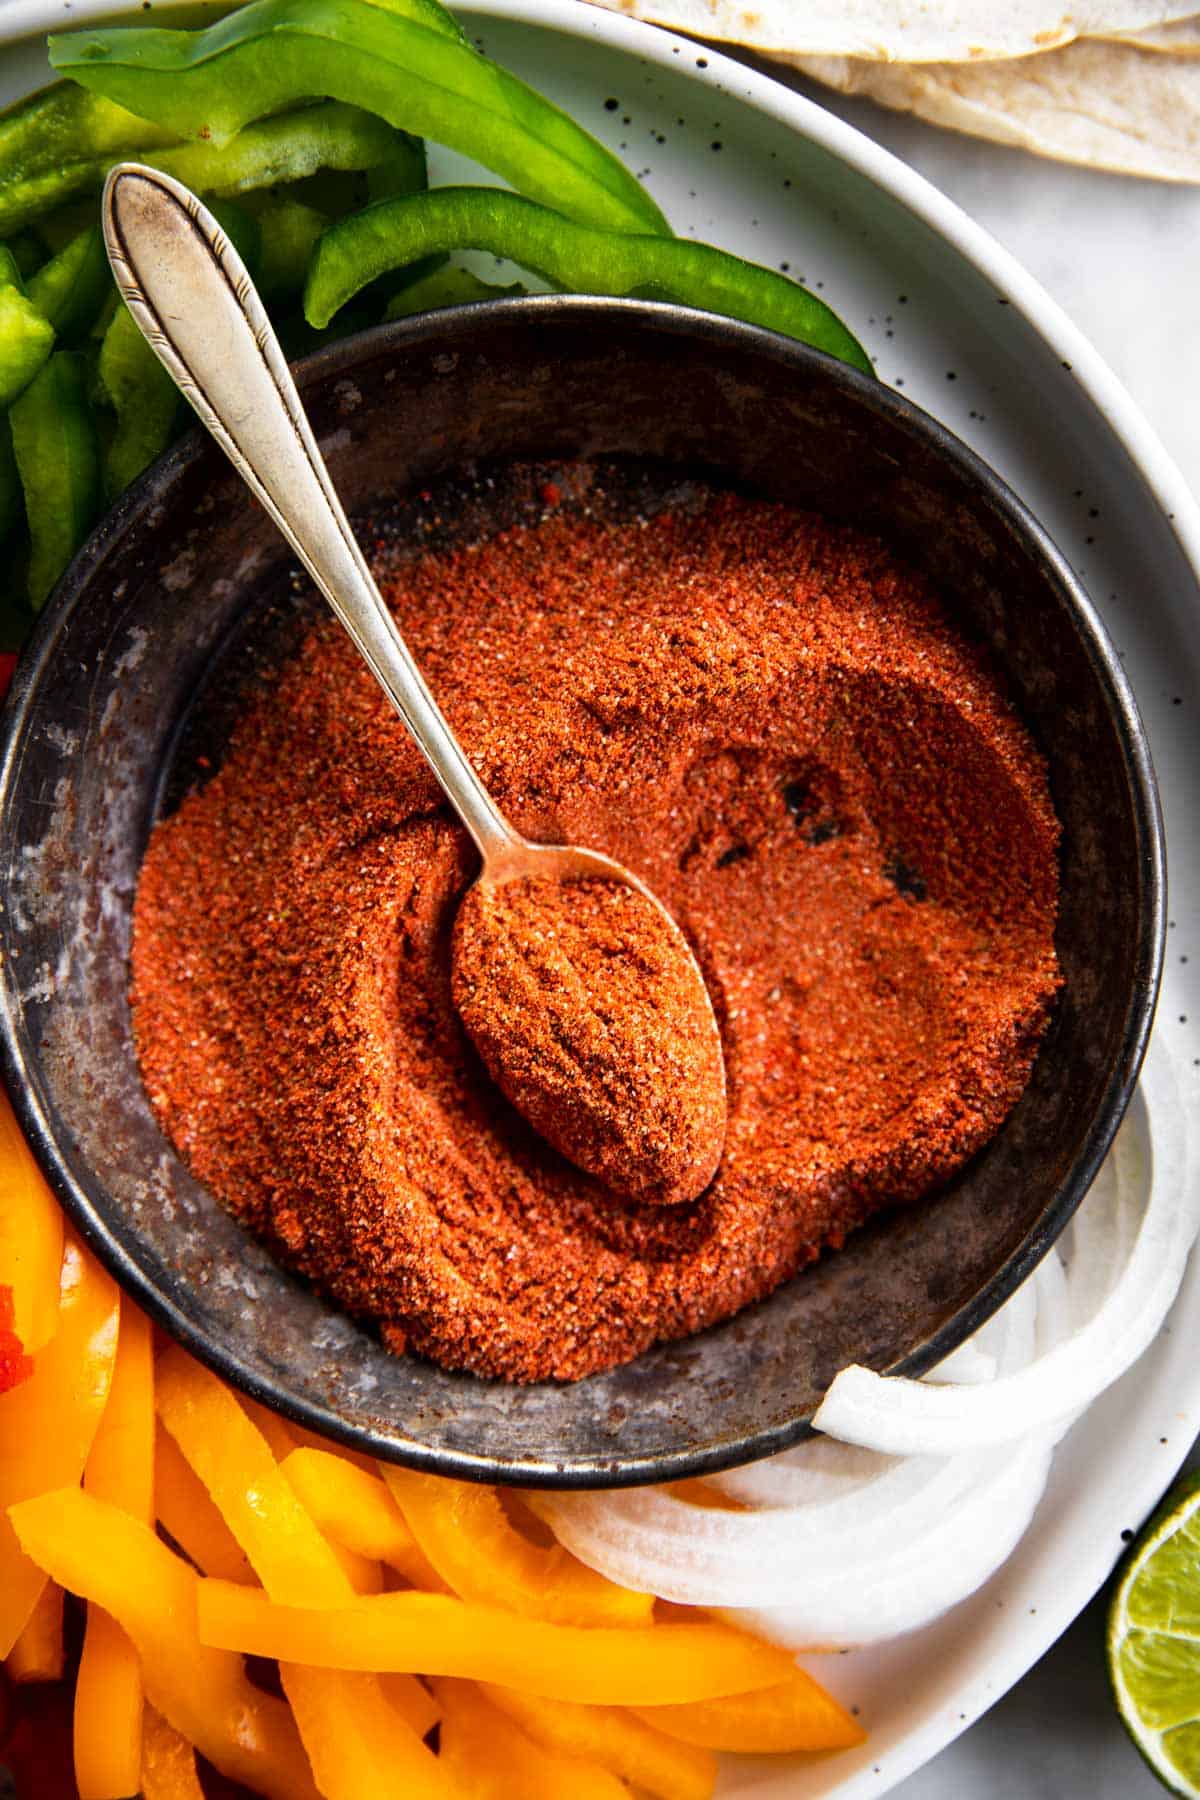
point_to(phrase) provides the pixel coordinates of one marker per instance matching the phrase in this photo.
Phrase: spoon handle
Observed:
(191, 297)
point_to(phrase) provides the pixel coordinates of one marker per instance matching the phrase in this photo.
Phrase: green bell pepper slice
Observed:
(144, 397)
(26, 338)
(61, 142)
(12, 504)
(330, 135)
(29, 254)
(405, 171)
(447, 287)
(436, 16)
(71, 288)
(571, 257)
(58, 459)
(289, 230)
(273, 53)
(291, 224)
(286, 148)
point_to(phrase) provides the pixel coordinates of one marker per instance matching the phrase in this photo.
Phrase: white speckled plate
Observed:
(736, 158)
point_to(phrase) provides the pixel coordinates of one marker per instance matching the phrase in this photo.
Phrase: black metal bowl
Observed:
(185, 583)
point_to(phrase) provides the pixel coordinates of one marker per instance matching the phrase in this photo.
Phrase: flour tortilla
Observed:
(906, 30)
(1108, 105)
(1181, 38)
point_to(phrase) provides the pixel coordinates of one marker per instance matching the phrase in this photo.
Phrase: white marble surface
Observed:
(1123, 258)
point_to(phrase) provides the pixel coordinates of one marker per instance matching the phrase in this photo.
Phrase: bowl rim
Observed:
(422, 331)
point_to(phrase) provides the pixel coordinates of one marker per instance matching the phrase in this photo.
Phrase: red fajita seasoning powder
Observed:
(775, 726)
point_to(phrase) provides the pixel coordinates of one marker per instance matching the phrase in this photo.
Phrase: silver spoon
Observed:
(192, 298)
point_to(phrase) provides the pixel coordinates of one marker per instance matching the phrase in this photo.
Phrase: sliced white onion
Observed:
(826, 1574)
(1053, 1320)
(928, 1490)
(1096, 1244)
(819, 1469)
(902, 1417)
(702, 1556)
(969, 1366)
(855, 1604)
(822, 1505)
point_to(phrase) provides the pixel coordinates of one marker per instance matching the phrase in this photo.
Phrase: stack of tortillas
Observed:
(1111, 83)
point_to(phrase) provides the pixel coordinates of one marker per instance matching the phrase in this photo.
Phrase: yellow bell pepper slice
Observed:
(31, 1237)
(796, 1714)
(187, 1514)
(107, 1556)
(180, 1374)
(168, 1762)
(358, 1743)
(309, 1440)
(614, 1738)
(120, 1466)
(413, 1701)
(47, 1423)
(355, 1510)
(480, 1555)
(108, 1711)
(364, 1575)
(277, 1431)
(441, 1635)
(237, 1466)
(491, 1759)
(37, 1654)
(120, 1471)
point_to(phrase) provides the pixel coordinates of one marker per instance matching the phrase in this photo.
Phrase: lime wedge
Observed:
(1154, 1640)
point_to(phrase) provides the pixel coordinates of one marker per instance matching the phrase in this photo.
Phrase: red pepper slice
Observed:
(15, 1366)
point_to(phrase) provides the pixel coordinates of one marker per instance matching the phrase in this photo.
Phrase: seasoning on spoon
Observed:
(591, 1016)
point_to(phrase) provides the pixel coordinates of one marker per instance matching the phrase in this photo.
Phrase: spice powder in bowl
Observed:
(774, 724)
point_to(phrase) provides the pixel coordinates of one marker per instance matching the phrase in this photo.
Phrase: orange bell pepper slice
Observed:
(48, 1423)
(616, 1739)
(796, 1714)
(15, 1365)
(357, 1741)
(120, 1471)
(463, 1529)
(441, 1635)
(107, 1556)
(355, 1510)
(168, 1762)
(187, 1514)
(37, 1654)
(31, 1237)
(490, 1758)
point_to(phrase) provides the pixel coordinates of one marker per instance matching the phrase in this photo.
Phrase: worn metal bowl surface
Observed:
(186, 583)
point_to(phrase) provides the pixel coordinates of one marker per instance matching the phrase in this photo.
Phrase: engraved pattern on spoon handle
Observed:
(197, 307)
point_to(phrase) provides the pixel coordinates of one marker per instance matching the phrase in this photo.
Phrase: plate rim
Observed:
(1165, 489)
